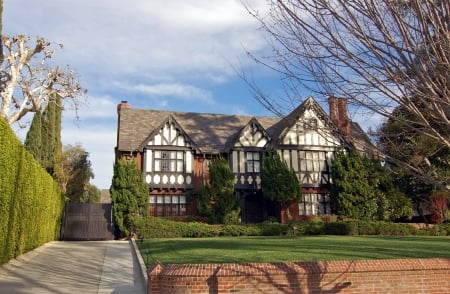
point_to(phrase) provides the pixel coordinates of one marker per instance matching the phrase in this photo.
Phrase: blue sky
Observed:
(177, 55)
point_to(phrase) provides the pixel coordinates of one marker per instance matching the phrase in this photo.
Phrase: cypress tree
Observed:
(44, 136)
(129, 193)
(33, 141)
(51, 133)
(221, 190)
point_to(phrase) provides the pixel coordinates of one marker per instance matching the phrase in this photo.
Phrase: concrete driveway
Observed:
(75, 267)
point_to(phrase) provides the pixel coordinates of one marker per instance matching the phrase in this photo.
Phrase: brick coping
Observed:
(298, 268)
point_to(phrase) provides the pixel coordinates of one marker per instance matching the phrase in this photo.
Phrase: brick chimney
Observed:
(123, 105)
(338, 114)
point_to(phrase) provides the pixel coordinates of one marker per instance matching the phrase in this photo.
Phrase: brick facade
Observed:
(431, 276)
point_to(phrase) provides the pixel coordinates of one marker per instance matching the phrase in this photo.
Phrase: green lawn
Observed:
(275, 249)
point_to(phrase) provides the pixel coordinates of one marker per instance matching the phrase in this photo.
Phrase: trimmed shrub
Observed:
(31, 203)
(157, 227)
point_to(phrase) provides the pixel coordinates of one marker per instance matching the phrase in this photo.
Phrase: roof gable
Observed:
(297, 123)
(251, 135)
(169, 133)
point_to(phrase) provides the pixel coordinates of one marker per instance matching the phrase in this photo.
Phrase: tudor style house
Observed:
(173, 150)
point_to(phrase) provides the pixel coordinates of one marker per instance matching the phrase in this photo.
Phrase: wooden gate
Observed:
(87, 222)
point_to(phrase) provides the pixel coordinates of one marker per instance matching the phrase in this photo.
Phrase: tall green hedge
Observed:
(31, 202)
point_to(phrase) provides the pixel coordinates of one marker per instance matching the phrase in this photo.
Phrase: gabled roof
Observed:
(171, 120)
(209, 132)
(215, 133)
(278, 130)
(233, 139)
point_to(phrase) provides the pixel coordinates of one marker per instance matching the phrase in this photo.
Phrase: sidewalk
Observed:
(75, 267)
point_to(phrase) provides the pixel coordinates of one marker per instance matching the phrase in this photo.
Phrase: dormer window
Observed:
(310, 124)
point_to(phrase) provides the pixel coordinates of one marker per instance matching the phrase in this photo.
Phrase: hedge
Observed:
(158, 227)
(31, 202)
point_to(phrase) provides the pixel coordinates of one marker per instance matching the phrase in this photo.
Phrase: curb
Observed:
(141, 262)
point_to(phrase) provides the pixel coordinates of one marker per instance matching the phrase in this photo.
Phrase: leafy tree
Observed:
(92, 195)
(278, 182)
(415, 149)
(378, 54)
(363, 189)
(73, 172)
(78, 182)
(129, 193)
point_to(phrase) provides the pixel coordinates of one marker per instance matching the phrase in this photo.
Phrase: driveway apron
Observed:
(74, 267)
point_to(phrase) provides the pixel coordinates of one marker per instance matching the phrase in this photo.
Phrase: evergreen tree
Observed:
(221, 191)
(426, 156)
(44, 136)
(216, 199)
(352, 193)
(364, 189)
(33, 141)
(51, 133)
(278, 182)
(129, 193)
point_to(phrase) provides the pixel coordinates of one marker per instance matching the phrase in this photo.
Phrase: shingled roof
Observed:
(212, 133)
(209, 132)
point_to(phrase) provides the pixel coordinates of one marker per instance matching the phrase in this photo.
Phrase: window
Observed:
(167, 205)
(314, 204)
(253, 162)
(169, 161)
(312, 165)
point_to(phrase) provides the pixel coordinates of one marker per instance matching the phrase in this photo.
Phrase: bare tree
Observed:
(28, 81)
(380, 54)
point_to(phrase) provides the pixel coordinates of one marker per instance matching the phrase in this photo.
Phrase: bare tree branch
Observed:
(28, 81)
(379, 54)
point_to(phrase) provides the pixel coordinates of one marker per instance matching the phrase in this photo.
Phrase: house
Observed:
(173, 150)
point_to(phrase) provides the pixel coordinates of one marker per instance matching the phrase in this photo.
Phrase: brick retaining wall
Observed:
(431, 276)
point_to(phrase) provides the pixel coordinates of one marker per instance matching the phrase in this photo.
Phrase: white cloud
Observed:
(142, 36)
(182, 91)
(165, 54)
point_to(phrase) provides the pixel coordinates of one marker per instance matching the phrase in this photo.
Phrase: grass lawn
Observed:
(276, 249)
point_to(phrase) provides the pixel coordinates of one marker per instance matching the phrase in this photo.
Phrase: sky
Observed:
(179, 55)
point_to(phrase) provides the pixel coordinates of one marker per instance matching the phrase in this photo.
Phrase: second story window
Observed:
(253, 162)
(169, 161)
